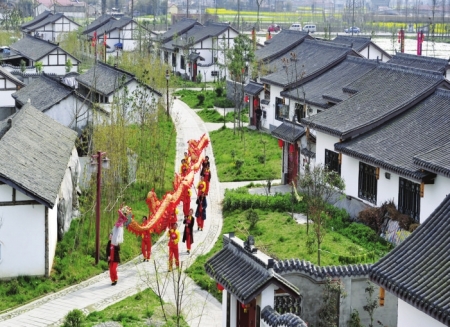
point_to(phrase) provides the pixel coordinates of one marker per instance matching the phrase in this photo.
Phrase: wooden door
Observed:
(248, 318)
(293, 157)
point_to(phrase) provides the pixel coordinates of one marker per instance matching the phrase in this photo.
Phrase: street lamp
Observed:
(97, 164)
(167, 79)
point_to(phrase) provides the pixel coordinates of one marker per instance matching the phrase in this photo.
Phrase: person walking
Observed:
(186, 201)
(113, 257)
(146, 244)
(188, 235)
(200, 213)
(206, 174)
(184, 168)
(174, 238)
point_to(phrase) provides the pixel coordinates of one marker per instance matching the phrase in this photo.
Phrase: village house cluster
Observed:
(379, 121)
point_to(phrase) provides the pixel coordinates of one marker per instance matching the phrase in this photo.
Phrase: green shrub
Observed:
(74, 318)
(252, 217)
(201, 98)
(219, 91)
(223, 103)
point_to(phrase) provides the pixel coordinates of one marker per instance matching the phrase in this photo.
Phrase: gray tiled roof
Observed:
(394, 144)
(37, 19)
(106, 79)
(178, 28)
(98, 22)
(111, 25)
(201, 33)
(183, 39)
(378, 96)
(421, 62)
(356, 42)
(241, 273)
(47, 20)
(417, 271)
(34, 154)
(273, 318)
(11, 77)
(253, 88)
(312, 57)
(43, 93)
(329, 84)
(280, 44)
(320, 272)
(436, 160)
(33, 48)
(288, 131)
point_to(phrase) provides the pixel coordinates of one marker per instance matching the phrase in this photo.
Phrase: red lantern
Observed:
(291, 148)
(220, 287)
(280, 143)
(246, 98)
(245, 307)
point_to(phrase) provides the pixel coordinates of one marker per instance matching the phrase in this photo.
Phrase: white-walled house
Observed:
(199, 50)
(261, 291)
(59, 101)
(33, 50)
(417, 270)
(103, 84)
(8, 85)
(38, 181)
(49, 26)
(364, 46)
(352, 138)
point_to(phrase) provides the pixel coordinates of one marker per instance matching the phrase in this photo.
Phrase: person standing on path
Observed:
(186, 201)
(146, 245)
(113, 257)
(200, 213)
(174, 238)
(206, 174)
(188, 235)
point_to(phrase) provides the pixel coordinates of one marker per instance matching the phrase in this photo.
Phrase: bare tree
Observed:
(258, 4)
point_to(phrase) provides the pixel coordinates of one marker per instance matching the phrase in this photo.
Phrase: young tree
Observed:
(372, 303)
(258, 4)
(319, 184)
(240, 57)
(333, 293)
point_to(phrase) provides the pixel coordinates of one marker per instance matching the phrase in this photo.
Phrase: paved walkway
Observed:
(199, 308)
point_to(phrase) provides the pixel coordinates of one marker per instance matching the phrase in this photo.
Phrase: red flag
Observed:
(94, 39)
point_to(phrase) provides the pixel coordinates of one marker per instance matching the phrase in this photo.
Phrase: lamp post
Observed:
(96, 161)
(167, 79)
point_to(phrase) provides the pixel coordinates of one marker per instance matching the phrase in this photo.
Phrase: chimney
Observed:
(270, 264)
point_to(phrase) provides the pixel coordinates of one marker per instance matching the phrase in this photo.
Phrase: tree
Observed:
(372, 303)
(319, 184)
(38, 66)
(69, 65)
(333, 293)
(258, 4)
(239, 58)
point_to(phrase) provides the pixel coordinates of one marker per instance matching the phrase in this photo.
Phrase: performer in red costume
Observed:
(174, 238)
(113, 257)
(146, 245)
(188, 235)
(184, 169)
(186, 202)
(200, 213)
(206, 174)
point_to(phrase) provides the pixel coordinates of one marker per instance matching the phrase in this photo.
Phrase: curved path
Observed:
(199, 308)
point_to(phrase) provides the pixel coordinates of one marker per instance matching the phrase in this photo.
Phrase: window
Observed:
(267, 92)
(367, 183)
(182, 63)
(166, 57)
(332, 161)
(174, 60)
(281, 110)
(409, 198)
(214, 73)
(299, 111)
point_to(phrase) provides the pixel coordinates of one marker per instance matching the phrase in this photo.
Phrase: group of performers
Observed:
(163, 213)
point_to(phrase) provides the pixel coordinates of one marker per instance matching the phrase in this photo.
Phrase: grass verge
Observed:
(245, 156)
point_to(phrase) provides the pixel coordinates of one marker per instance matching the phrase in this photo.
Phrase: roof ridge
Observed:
(116, 68)
(328, 43)
(289, 265)
(411, 70)
(362, 60)
(420, 58)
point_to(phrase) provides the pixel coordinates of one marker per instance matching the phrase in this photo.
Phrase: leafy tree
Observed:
(69, 65)
(38, 66)
(319, 184)
(333, 293)
(12, 17)
(239, 58)
(23, 65)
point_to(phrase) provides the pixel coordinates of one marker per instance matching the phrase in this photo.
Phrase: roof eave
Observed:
(29, 193)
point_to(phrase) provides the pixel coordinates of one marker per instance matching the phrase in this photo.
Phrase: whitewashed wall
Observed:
(371, 52)
(433, 195)
(324, 141)
(22, 237)
(408, 316)
(70, 112)
(52, 234)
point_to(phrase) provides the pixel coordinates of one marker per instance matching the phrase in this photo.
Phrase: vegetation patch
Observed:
(245, 156)
(194, 98)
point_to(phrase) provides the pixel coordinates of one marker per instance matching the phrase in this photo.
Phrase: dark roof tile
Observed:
(417, 271)
(422, 62)
(33, 48)
(273, 318)
(253, 88)
(178, 28)
(98, 22)
(280, 44)
(382, 93)
(436, 160)
(289, 132)
(306, 267)
(54, 93)
(34, 153)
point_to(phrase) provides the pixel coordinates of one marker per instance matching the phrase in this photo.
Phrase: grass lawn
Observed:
(74, 258)
(135, 311)
(191, 99)
(257, 164)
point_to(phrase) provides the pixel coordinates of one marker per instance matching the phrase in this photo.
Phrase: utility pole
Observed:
(353, 19)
